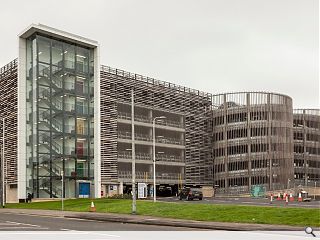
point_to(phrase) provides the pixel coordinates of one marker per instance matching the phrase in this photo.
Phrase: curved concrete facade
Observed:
(306, 135)
(252, 141)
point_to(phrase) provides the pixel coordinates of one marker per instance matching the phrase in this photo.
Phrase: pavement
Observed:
(148, 220)
(159, 235)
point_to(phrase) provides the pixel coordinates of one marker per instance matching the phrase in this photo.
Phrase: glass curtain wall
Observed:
(60, 116)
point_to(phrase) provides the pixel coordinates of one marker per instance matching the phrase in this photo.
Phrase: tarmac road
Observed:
(16, 226)
(25, 222)
(245, 201)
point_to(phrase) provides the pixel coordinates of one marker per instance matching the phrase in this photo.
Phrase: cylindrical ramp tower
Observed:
(252, 142)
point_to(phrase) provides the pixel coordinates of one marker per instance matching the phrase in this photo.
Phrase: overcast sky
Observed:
(212, 45)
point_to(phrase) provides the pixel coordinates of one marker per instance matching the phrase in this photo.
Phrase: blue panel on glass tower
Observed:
(84, 190)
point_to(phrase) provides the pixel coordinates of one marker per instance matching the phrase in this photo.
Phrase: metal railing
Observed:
(144, 137)
(139, 156)
(146, 119)
(56, 124)
(171, 123)
(44, 184)
(142, 175)
(168, 158)
(45, 140)
(148, 80)
(146, 156)
(139, 137)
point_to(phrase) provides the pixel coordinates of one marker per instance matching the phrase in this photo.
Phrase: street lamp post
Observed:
(3, 165)
(62, 187)
(3, 188)
(154, 156)
(134, 204)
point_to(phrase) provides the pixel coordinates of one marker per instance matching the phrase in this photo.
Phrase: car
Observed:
(305, 197)
(164, 191)
(190, 194)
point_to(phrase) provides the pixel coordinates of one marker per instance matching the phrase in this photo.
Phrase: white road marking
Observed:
(10, 225)
(20, 227)
(7, 224)
(34, 215)
(26, 224)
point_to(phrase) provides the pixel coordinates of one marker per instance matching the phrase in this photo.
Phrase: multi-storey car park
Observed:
(8, 115)
(66, 115)
(182, 142)
(306, 135)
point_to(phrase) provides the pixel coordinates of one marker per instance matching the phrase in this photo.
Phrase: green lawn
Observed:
(202, 212)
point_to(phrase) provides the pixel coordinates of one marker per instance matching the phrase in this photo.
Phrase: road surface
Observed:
(25, 222)
(30, 227)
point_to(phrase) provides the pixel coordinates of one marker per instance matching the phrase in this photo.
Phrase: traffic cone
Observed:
(92, 207)
(299, 198)
(271, 198)
(291, 198)
(287, 200)
(279, 197)
(284, 196)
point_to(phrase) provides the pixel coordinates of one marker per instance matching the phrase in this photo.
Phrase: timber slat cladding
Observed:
(230, 140)
(150, 93)
(9, 110)
(252, 141)
(306, 136)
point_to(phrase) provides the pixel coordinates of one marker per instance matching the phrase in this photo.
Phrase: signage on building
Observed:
(142, 190)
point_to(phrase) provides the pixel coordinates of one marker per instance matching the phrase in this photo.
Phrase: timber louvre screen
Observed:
(252, 141)
(9, 110)
(306, 135)
(155, 94)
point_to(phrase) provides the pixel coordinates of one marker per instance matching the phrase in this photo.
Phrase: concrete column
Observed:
(249, 142)
(97, 131)
(225, 143)
(120, 188)
(22, 145)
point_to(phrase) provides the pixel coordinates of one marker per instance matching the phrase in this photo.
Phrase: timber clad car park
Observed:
(65, 114)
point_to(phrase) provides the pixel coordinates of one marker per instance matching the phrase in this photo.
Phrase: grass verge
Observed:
(200, 212)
